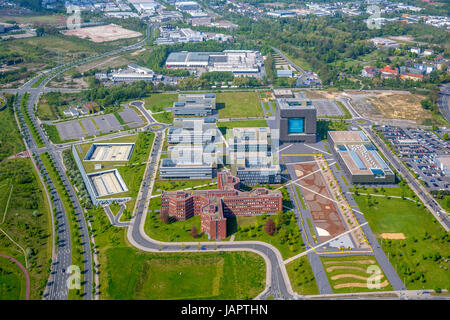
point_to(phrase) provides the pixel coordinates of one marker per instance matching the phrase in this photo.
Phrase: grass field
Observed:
(287, 238)
(171, 185)
(300, 62)
(12, 281)
(139, 276)
(349, 274)
(238, 105)
(11, 142)
(177, 231)
(36, 19)
(164, 117)
(26, 220)
(420, 259)
(126, 273)
(301, 276)
(158, 102)
(223, 126)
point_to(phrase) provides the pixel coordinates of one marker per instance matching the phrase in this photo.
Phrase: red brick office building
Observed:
(214, 206)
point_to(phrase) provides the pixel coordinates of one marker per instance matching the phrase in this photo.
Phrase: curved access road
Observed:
(25, 272)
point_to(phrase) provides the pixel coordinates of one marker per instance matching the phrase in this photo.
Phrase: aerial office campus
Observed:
(224, 150)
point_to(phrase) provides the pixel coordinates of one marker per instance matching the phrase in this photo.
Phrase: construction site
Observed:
(110, 32)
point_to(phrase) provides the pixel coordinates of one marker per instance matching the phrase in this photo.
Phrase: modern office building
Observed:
(215, 206)
(297, 120)
(194, 105)
(172, 169)
(239, 62)
(283, 93)
(192, 131)
(192, 152)
(359, 157)
(249, 154)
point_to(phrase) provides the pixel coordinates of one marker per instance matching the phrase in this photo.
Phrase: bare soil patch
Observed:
(330, 269)
(352, 261)
(385, 283)
(393, 236)
(106, 33)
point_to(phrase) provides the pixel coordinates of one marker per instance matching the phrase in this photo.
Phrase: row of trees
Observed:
(75, 176)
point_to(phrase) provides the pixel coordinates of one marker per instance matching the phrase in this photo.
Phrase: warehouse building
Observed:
(359, 157)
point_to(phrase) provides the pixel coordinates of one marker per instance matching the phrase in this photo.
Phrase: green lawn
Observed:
(126, 273)
(12, 281)
(348, 265)
(171, 185)
(176, 231)
(299, 62)
(164, 117)
(39, 19)
(157, 102)
(301, 276)
(238, 105)
(137, 276)
(223, 126)
(53, 133)
(27, 221)
(11, 142)
(420, 258)
(445, 203)
(287, 238)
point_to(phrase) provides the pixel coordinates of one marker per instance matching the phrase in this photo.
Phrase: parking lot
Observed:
(419, 149)
(325, 107)
(92, 126)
